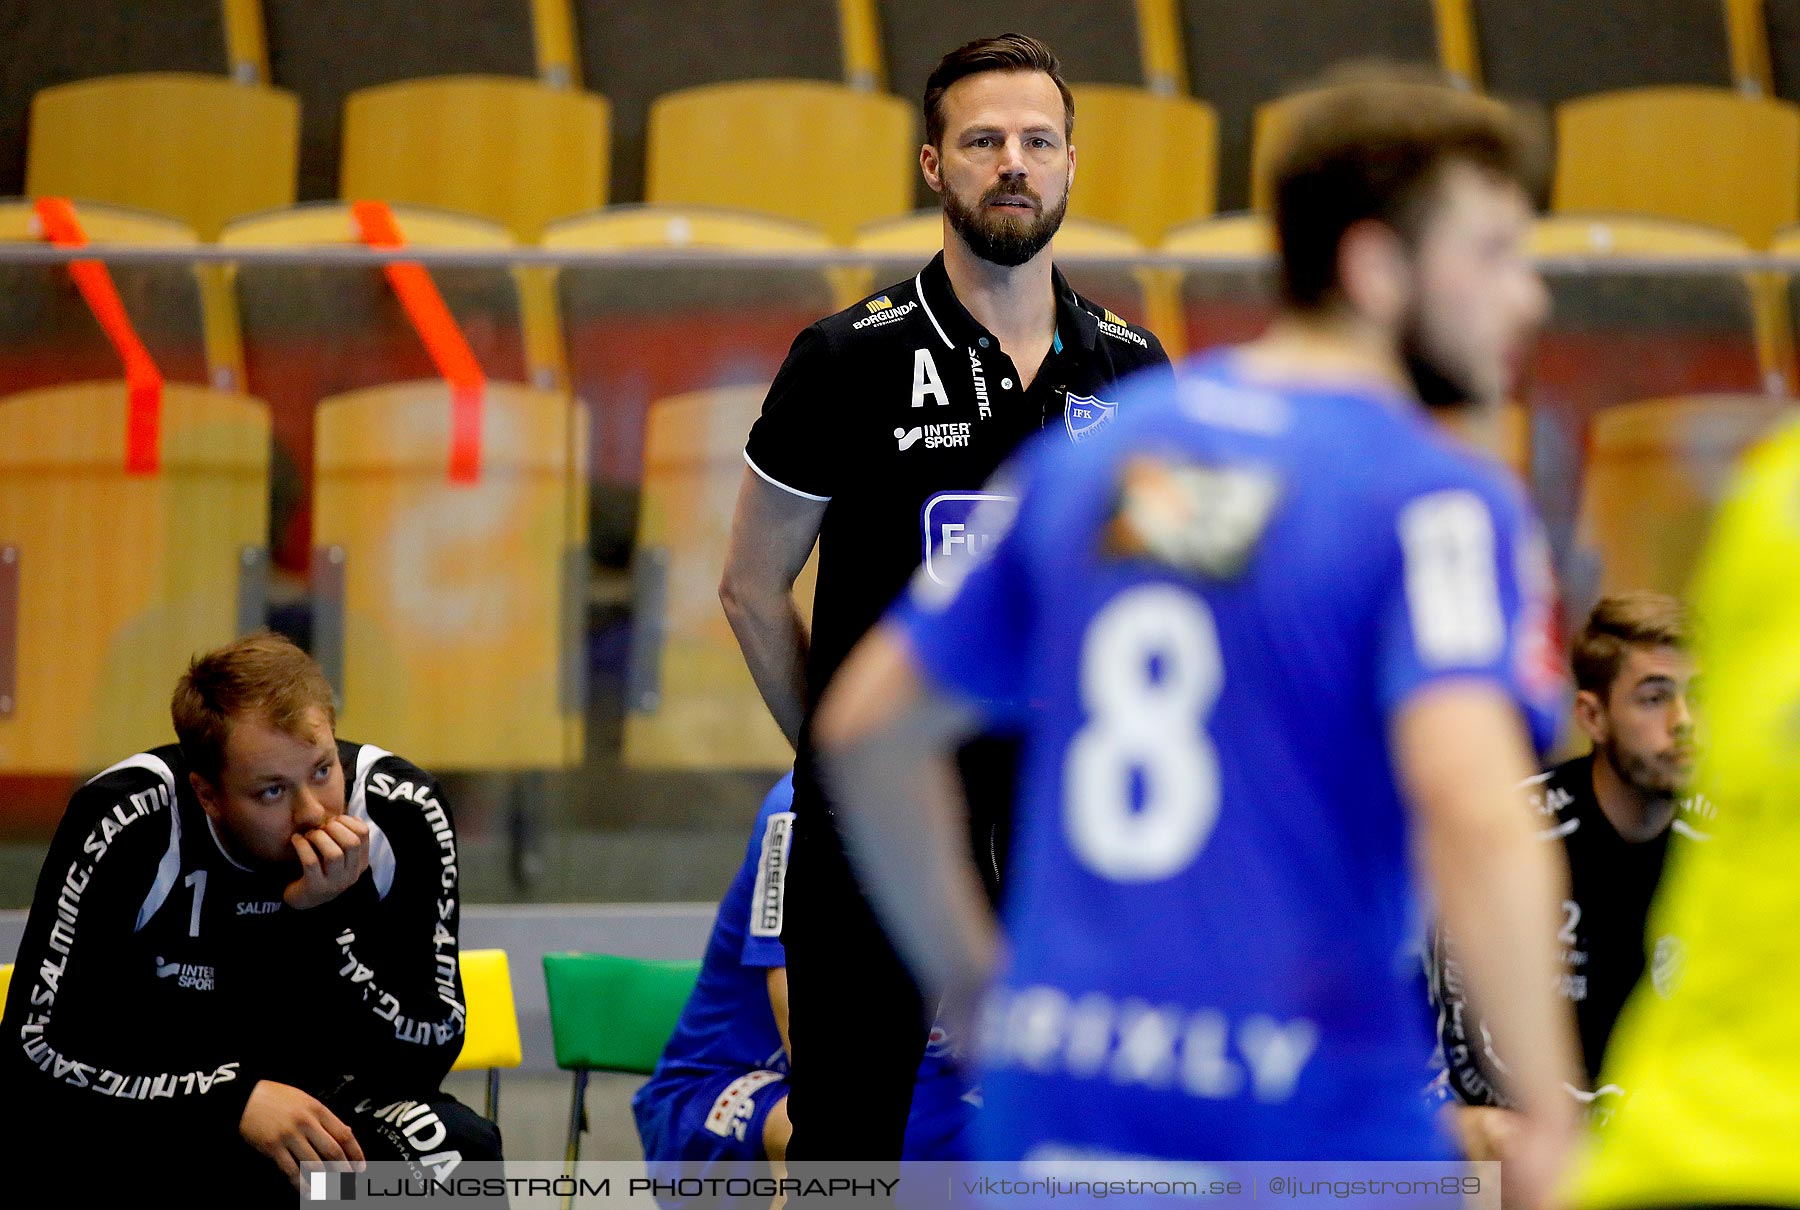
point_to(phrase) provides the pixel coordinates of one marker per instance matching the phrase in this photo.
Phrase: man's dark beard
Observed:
(1637, 773)
(1000, 240)
(1436, 384)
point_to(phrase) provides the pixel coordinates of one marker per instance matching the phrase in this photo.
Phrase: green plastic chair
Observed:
(611, 1013)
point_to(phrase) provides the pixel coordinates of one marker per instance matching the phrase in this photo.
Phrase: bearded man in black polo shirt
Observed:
(1617, 813)
(878, 440)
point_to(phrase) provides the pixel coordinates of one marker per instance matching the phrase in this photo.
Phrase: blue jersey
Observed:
(728, 1025)
(1206, 624)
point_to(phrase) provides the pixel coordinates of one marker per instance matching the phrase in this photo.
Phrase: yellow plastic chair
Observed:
(800, 149)
(491, 1031)
(1703, 155)
(1656, 471)
(1144, 162)
(121, 578)
(6, 969)
(703, 710)
(200, 148)
(512, 150)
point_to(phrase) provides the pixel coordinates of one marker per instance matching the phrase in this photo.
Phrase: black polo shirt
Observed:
(1601, 940)
(896, 411)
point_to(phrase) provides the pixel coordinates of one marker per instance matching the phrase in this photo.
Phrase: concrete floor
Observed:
(534, 1113)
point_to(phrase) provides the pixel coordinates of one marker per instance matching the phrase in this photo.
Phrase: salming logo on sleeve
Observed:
(1452, 592)
(47, 982)
(771, 876)
(383, 1003)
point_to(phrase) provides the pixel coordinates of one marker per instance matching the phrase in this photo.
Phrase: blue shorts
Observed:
(941, 1121)
(708, 1119)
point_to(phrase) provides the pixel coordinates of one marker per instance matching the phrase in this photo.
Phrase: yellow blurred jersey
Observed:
(1714, 1066)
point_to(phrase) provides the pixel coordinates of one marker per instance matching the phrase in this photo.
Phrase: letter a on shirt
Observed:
(926, 380)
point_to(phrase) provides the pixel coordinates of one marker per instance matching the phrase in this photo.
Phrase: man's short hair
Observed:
(262, 676)
(1374, 141)
(1619, 623)
(1008, 52)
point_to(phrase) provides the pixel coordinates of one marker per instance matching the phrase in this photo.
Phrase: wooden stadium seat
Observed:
(1503, 433)
(634, 53)
(1082, 245)
(49, 337)
(51, 44)
(455, 598)
(691, 703)
(1243, 53)
(515, 151)
(1748, 31)
(1097, 41)
(199, 148)
(1143, 162)
(688, 329)
(1618, 335)
(1783, 289)
(310, 332)
(1233, 300)
(1696, 154)
(1656, 472)
(1550, 51)
(325, 50)
(611, 1013)
(1781, 28)
(491, 1032)
(121, 578)
(637, 227)
(817, 152)
(1457, 53)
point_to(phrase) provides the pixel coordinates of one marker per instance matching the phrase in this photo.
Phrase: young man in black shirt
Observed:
(242, 955)
(877, 438)
(1616, 812)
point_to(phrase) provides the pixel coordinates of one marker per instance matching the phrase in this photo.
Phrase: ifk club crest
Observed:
(1086, 415)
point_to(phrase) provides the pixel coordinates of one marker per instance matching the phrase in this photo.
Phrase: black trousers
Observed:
(71, 1167)
(856, 1019)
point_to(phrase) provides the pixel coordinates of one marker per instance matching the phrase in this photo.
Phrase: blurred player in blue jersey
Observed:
(719, 1093)
(1272, 638)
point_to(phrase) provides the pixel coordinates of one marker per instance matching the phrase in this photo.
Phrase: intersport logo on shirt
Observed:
(934, 436)
(186, 974)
